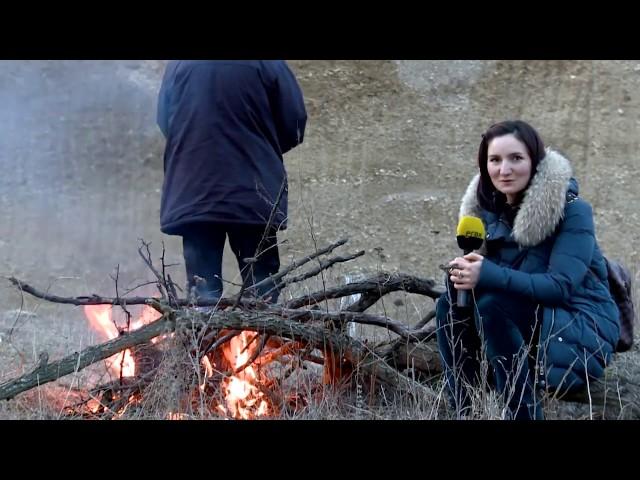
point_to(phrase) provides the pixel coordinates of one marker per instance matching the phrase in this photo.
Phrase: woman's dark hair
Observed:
(488, 197)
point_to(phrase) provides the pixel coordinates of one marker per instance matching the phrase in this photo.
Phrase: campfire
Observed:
(247, 358)
(243, 396)
(243, 389)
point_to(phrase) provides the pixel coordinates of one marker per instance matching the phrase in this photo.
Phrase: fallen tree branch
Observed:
(363, 318)
(373, 287)
(615, 395)
(422, 358)
(352, 350)
(123, 301)
(426, 320)
(221, 341)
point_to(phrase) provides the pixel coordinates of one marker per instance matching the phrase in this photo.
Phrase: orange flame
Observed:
(147, 316)
(208, 372)
(99, 316)
(177, 416)
(242, 397)
(101, 321)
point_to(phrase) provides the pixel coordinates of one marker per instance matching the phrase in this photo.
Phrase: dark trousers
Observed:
(203, 246)
(504, 325)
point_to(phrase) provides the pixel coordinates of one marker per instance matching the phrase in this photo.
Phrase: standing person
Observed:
(227, 125)
(542, 312)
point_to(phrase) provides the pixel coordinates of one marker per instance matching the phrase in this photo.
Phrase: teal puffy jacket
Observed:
(551, 257)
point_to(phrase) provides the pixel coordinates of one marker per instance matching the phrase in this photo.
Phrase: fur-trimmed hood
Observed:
(543, 204)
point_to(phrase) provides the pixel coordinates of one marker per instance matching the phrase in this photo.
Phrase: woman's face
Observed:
(509, 165)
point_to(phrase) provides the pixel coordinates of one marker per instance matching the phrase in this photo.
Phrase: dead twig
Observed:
(147, 260)
(323, 265)
(298, 263)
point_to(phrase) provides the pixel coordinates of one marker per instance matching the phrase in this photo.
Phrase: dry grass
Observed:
(177, 375)
(175, 385)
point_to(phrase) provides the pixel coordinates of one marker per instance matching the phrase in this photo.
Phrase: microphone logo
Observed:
(470, 233)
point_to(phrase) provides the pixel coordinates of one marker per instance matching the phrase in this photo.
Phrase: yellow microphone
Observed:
(470, 235)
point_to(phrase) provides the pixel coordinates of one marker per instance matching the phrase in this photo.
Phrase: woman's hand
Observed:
(466, 271)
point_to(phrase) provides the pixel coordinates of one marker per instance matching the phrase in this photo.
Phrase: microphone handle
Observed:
(463, 295)
(463, 298)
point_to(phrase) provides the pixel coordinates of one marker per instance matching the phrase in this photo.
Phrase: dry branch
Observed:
(123, 301)
(323, 265)
(352, 350)
(363, 318)
(298, 263)
(372, 289)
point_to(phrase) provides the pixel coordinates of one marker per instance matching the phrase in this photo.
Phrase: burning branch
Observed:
(78, 361)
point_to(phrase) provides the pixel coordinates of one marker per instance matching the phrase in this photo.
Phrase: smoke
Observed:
(81, 161)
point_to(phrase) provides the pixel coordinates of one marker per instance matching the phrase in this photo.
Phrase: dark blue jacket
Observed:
(227, 125)
(551, 257)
